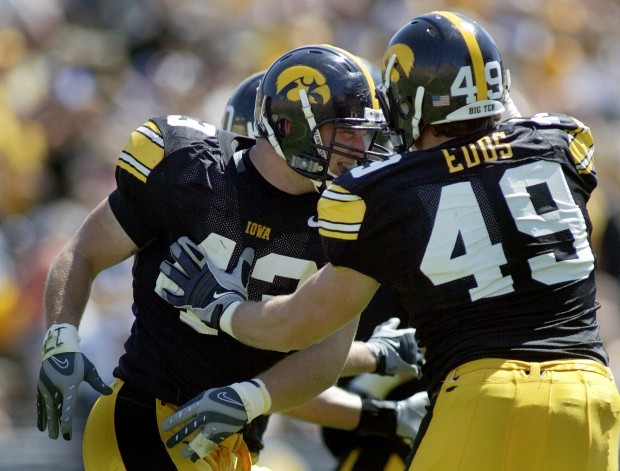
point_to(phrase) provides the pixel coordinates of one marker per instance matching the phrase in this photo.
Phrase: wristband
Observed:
(60, 338)
(256, 399)
(377, 418)
(226, 318)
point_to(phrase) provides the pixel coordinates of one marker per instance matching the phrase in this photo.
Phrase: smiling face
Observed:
(343, 141)
(308, 88)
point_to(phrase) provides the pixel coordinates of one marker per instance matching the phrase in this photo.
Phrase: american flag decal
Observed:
(441, 100)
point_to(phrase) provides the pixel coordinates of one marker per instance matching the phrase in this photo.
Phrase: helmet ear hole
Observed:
(405, 107)
(284, 126)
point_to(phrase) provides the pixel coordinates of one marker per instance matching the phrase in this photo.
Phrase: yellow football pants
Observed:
(123, 434)
(501, 415)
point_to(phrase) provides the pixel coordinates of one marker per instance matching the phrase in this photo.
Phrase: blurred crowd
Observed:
(77, 76)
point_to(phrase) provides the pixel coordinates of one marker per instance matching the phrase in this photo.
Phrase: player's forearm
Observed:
(360, 360)
(276, 324)
(67, 288)
(329, 299)
(100, 243)
(334, 408)
(303, 375)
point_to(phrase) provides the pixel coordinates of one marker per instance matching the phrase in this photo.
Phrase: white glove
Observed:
(409, 414)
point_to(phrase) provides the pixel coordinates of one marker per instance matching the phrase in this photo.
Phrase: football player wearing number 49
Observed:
(191, 198)
(483, 229)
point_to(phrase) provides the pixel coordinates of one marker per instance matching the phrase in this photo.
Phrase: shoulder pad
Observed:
(150, 143)
(143, 151)
(579, 138)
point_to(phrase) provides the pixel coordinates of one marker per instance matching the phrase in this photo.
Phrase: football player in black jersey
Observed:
(184, 190)
(365, 445)
(482, 228)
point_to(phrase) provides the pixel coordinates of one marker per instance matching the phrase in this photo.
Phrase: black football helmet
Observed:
(382, 140)
(307, 88)
(373, 69)
(239, 114)
(438, 68)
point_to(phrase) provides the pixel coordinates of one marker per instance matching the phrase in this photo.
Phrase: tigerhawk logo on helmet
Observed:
(308, 88)
(304, 78)
(405, 61)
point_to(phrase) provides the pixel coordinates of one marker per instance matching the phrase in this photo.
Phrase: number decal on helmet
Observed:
(464, 84)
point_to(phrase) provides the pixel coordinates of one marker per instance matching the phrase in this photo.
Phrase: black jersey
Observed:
(179, 177)
(487, 241)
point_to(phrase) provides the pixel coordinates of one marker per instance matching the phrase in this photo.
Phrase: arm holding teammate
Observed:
(267, 325)
(219, 412)
(101, 243)
(288, 380)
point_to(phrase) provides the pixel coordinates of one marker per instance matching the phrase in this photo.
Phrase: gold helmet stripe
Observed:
(464, 28)
(364, 69)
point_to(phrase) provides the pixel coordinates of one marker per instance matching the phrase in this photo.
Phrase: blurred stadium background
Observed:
(77, 76)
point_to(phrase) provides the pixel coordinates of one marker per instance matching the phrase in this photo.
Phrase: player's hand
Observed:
(218, 413)
(409, 414)
(63, 368)
(396, 350)
(195, 283)
(391, 419)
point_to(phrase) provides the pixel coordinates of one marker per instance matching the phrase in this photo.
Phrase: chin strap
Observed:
(309, 115)
(388, 71)
(271, 135)
(319, 185)
(510, 109)
(417, 113)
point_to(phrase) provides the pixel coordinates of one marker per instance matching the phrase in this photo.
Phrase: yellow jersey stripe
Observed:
(581, 147)
(338, 227)
(132, 165)
(474, 52)
(340, 214)
(337, 193)
(337, 235)
(152, 134)
(143, 152)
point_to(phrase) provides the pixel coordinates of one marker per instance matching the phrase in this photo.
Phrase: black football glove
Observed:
(393, 418)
